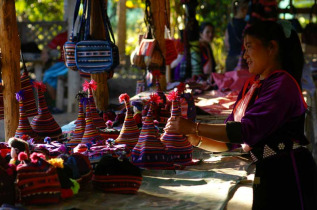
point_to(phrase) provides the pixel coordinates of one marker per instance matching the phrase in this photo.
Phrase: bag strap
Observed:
(87, 25)
(76, 11)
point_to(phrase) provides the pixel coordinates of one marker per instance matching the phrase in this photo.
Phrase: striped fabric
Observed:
(177, 145)
(98, 121)
(150, 152)
(69, 55)
(24, 127)
(93, 56)
(91, 132)
(146, 47)
(44, 123)
(123, 184)
(38, 183)
(171, 52)
(129, 133)
(1, 103)
(29, 98)
(80, 127)
(7, 187)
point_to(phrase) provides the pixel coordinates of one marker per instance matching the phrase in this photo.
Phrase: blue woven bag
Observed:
(96, 56)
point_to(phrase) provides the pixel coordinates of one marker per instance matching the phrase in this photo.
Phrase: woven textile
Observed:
(29, 98)
(91, 133)
(80, 127)
(38, 183)
(44, 123)
(24, 127)
(7, 193)
(117, 176)
(177, 145)
(129, 133)
(82, 167)
(69, 54)
(150, 152)
(98, 121)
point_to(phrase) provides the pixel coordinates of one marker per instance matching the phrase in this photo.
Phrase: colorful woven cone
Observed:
(1, 103)
(129, 133)
(29, 99)
(156, 74)
(177, 145)
(91, 133)
(44, 123)
(24, 127)
(98, 121)
(80, 123)
(150, 152)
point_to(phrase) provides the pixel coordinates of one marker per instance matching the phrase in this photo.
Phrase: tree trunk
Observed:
(160, 11)
(101, 95)
(10, 47)
(122, 29)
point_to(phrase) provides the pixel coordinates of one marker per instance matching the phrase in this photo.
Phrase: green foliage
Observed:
(39, 10)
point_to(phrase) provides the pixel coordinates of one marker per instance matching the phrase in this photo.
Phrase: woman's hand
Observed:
(180, 125)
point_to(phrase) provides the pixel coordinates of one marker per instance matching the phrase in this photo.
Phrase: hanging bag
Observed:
(69, 46)
(96, 56)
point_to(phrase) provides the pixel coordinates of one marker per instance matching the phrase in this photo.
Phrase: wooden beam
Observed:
(10, 47)
(101, 95)
(122, 29)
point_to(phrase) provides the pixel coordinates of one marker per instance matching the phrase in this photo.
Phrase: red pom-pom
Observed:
(181, 87)
(109, 124)
(40, 86)
(25, 137)
(155, 98)
(124, 97)
(35, 156)
(22, 156)
(89, 85)
(86, 85)
(172, 96)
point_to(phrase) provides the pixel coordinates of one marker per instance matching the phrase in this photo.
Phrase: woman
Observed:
(206, 37)
(233, 35)
(268, 118)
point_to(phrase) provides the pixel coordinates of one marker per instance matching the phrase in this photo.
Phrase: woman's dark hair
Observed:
(203, 25)
(290, 51)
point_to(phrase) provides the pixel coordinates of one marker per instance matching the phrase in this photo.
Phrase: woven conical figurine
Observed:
(186, 103)
(80, 122)
(98, 121)
(44, 123)
(164, 108)
(150, 152)
(28, 98)
(24, 127)
(129, 133)
(177, 144)
(91, 134)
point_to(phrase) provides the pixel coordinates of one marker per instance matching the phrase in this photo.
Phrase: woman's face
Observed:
(257, 55)
(207, 34)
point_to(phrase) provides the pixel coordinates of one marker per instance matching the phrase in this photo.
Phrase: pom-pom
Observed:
(156, 73)
(124, 98)
(155, 98)
(181, 87)
(47, 140)
(57, 162)
(109, 124)
(22, 156)
(155, 122)
(75, 188)
(36, 156)
(89, 85)
(19, 95)
(172, 96)
(40, 86)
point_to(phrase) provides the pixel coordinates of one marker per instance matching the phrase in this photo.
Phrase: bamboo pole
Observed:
(10, 47)
(101, 95)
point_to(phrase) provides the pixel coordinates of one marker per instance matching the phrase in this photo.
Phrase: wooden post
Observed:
(160, 11)
(101, 95)
(122, 29)
(10, 47)
(73, 78)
